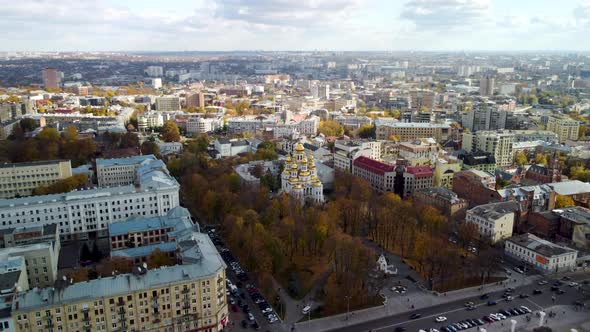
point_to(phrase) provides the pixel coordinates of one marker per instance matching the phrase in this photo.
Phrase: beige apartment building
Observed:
(19, 179)
(565, 128)
(174, 298)
(407, 131)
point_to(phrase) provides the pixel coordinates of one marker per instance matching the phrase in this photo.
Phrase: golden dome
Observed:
(293, 180)
(314, 178)
(310, 156)
(289, 158)
(294, 166)
(299, 147)
(298, 186)
(304, 173)
(317, 184)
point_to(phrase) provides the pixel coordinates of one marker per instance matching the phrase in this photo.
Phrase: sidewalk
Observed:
(397, 304)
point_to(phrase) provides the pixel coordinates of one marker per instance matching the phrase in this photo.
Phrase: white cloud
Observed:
(443, 14)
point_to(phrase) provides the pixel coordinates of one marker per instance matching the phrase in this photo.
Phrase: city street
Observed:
(456, 311)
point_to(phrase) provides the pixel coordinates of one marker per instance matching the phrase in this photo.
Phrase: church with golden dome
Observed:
(300, 177)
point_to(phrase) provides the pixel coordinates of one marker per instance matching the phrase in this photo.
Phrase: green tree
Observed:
(170, 132)
(367, 131)
(28, 124)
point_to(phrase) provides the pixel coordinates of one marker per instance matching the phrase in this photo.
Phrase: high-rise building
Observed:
(51, 78)
(168, 104)
(565, 128)
(154, 71)
(486, 86)
(195, 100)
(498, 143)
(484, 119)
(156, 83)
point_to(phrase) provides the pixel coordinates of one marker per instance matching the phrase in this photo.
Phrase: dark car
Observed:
(523, 296)
(558, 283)
(400, 329)
(537, 292)
(484, 296)
(566, 278)
(244, 324)
(492, 302)
(560, 291)
(255, 325)
(554, 288)
(415, 316)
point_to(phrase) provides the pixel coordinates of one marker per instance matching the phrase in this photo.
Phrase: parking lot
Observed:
(247, 306)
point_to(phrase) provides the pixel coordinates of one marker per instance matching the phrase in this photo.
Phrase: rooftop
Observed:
(207, 264)
(134, 160)
(373, 165)
(577, 214)
(494, 211)
(144, 250)
(540, 246)
(420, 171)
(33, 163)
(177, 217)
(443, 193)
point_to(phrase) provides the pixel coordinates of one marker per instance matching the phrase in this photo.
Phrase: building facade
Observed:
(543, 255)
(407, 131)
(20, 179)
(565, 128)
(168, 104)
(494, 221)
(120, 171)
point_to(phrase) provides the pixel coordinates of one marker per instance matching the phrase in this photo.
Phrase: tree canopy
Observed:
(170, 132)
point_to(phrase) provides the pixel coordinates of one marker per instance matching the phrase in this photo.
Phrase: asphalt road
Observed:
(456, 311)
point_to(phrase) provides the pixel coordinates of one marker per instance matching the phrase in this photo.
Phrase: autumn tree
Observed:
(331, 128)
(170, 132)
(541, 159)
(366, 131)
(62, 186)
(520, 158)
(563, 201)
(28, 124)
(129, 140)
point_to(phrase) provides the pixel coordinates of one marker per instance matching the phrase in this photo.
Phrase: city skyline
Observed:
(340, 25)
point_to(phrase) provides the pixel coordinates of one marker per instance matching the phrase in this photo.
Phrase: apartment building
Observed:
(381, 176)
(168, 104)
(498, 143)
(444, 199)
(121, 171)
(79, 213)
(565, 128)
(417, 178)
(17, 236)
(407, 131)
(353, 122)
(420, 151)
(201, 125)
(542, 255)
(20, 179)
(494, 221)
(345, 151)
(479, 160)
(196, 100)
(150, 120)
(444, 172)
(188, 297)
(40, 260)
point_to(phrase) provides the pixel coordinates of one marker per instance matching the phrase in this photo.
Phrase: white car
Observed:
(306, 309)
(440, 319)
(526, 309)
(573, 284)
(250, 317)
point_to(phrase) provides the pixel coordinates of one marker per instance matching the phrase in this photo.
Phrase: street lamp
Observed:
(347, 305)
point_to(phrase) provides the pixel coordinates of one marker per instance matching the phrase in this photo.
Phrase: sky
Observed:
(322, 25)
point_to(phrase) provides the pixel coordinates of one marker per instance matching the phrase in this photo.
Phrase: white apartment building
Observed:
(250, 124)
(168, 104)
(346, 151)
(120, 171)
(565, 128)
(167, 148)
(78, 213)
(545, 256)
(154, 71)
(498, 143)
(150, 120)
(22, 178)
(494, 221)
(200, 125)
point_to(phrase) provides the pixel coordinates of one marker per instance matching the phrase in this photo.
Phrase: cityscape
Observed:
(242, 165)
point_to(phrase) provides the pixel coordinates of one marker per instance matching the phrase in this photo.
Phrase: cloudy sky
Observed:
(179, 25)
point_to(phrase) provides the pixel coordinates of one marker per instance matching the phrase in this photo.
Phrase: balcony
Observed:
(86, 318)
(121, 311)
(185, 290)
(186, 306)
(120, 303)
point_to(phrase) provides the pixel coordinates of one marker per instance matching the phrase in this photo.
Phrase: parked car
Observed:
(415, 316)
(306, 309)
(537, 292)
(492, 302)
(440, 319)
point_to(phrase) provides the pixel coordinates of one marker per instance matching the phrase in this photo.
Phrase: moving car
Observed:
(492, 302)
(440, 319)
(537, 292)
(543, 282)
(306, 309)
(415, 316)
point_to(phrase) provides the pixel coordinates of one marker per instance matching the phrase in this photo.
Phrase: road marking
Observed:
(434, 315)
